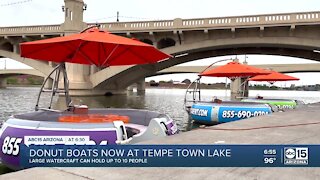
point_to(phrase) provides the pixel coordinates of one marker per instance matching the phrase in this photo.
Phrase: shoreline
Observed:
(180, 87)
(204, 88)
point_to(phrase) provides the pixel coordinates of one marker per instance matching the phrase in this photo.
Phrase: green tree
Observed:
(12, 80)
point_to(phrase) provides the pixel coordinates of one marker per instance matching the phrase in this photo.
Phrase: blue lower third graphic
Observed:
(171, 156)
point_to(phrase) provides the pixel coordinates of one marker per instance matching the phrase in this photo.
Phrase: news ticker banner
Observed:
(170, 156)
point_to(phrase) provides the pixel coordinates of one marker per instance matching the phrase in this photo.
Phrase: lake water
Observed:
(15, 100)
(170, 101)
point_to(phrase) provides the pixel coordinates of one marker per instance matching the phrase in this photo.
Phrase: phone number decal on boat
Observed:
(286, 106)
(227, 114)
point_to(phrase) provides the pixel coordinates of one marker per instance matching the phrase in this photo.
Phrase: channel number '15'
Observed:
(11, 145)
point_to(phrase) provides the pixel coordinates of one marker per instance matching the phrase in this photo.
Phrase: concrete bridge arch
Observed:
(42, 66)
(301, 47)
(287, 34)
(13, 72)
(283, 68)
(5, 73)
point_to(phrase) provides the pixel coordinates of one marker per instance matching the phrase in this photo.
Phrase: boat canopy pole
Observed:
(61, 68)
(243, 86)
(196, 96)
(215, 63)
(96, 25)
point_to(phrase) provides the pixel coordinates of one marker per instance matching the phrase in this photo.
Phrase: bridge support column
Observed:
(235, 89)
(93, 69)
(48, 85)
(130, 88)
(245, 87)
(79, 83)
(141, 85)
(3, 82)
(16, 48)
(239, 88)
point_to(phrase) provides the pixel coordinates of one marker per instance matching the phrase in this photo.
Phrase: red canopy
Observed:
(274, 76)
(234, 69)
(93, 46)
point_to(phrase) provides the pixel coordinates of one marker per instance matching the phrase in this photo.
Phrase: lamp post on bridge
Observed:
(245, 59)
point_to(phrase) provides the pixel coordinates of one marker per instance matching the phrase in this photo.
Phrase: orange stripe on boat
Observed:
(93, 118)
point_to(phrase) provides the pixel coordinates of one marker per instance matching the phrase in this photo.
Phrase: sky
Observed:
(41, 12)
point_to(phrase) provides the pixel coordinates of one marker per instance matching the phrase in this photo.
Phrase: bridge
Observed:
(4, 73)
(11, 72)
(289, 34)
(283, 68)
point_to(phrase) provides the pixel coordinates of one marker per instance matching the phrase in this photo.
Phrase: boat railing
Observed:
(193, 88)
(51, 110)
(55, 90)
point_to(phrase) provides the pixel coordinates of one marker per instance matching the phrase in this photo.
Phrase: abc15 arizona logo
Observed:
(296, 155)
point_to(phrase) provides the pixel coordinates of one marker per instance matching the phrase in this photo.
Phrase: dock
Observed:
(299, 126)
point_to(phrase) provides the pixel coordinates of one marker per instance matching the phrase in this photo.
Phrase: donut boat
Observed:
(222, 112)
(280, 103)
(78, 125)
(96, 127)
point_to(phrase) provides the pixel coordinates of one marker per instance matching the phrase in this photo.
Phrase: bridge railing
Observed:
(254, 20)
(219, 22)
(136, 25)
(17, 30)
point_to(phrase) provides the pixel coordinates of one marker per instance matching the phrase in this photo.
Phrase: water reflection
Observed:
(117, 101)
